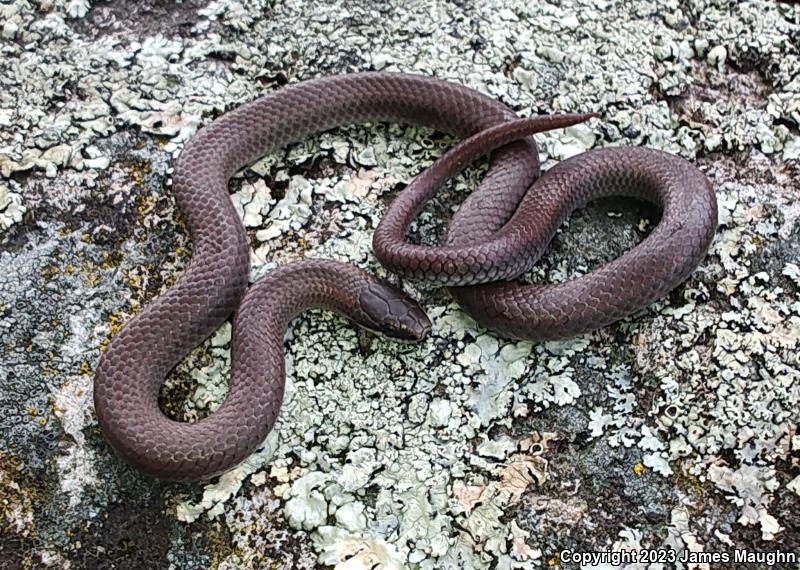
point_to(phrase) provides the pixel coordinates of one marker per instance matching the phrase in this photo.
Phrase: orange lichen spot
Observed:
(115, 323)
(84, 369)
(145, 205)
(639, 469)
(138, 170)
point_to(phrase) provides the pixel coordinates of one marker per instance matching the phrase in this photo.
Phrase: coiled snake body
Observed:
(498, 234)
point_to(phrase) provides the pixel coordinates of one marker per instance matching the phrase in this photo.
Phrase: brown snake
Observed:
(498, 234)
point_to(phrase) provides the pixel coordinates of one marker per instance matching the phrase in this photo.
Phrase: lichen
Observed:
(467, 450)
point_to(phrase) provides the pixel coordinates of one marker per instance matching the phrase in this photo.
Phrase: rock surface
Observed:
(676, 428)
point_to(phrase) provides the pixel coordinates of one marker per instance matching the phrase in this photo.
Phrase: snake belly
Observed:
(498, 233)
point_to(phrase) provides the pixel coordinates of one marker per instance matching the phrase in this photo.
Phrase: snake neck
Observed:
(277, 298)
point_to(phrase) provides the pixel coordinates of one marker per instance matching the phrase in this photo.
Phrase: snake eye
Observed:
(389, 311)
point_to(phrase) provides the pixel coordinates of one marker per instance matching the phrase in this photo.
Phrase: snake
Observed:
(497, 235)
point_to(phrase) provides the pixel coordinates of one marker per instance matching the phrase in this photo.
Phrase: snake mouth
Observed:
(403, 333)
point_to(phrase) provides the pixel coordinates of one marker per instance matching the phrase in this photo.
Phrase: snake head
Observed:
(388, 311)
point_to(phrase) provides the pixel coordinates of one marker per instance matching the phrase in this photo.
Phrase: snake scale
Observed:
(498, 234)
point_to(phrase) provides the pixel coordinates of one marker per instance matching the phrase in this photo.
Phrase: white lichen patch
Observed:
(750, 488)
(11, 207)
(72, 407)
(216, 494)
(76, 463)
